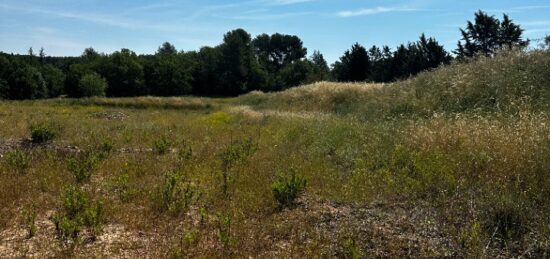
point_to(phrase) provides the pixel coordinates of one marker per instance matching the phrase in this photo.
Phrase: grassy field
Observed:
(451, 163)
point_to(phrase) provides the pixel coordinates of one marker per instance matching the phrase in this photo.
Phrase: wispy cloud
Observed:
(113, 21)
(375, 10)
(536, 31)
(531, 7)
(289, 2)
(150, 7)
(536, 26)
(74, 15)
(261, 17)
(536, 23)
(518, 9)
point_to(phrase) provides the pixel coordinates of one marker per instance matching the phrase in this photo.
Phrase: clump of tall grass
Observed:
(29, 220)
(235, 153)
(19, 160)
(287, 187)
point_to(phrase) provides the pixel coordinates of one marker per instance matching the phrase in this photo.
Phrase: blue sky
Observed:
(66, 27)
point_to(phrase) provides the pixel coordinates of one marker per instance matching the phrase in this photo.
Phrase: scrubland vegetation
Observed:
(452, 163)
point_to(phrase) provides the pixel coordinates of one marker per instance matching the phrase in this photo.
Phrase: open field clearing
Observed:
(451, 163)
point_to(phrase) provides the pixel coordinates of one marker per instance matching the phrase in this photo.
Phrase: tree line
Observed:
(239, 64)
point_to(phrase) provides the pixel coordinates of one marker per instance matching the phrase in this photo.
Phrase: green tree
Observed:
(4, 89)
(90, 55)
(54, 78)
(278, 50)
(295, 74)
(124, 74)
(91, 84)
(75, 73)
(353, 65)
(167, 49)
(276, 53)
(432, 54)
(27, 83)
(41, 55)
(319, 70)
(206, 73)
(169, 73)
(381, 60)
(240, 72)
(488, 34)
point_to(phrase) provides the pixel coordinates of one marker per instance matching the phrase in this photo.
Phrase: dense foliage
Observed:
(487, 34)
(238, 65)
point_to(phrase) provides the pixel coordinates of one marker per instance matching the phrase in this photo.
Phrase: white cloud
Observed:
(375, 10)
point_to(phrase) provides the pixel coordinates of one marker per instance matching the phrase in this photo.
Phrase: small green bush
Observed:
(162, 145)
(19, 160)
(175, 194)
(122, 187)
(78, 212)
(287, 188)
(83, 165)
(42, 133)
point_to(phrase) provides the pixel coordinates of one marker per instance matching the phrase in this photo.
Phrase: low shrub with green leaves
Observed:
(175, 194)
(287, 188)
(162, 145)
(42, 133)
(83, 165)
(19, 160)
(78, 212)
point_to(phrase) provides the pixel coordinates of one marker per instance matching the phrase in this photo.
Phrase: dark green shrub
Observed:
(287, 188)
(78, 212)
(42, 133)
